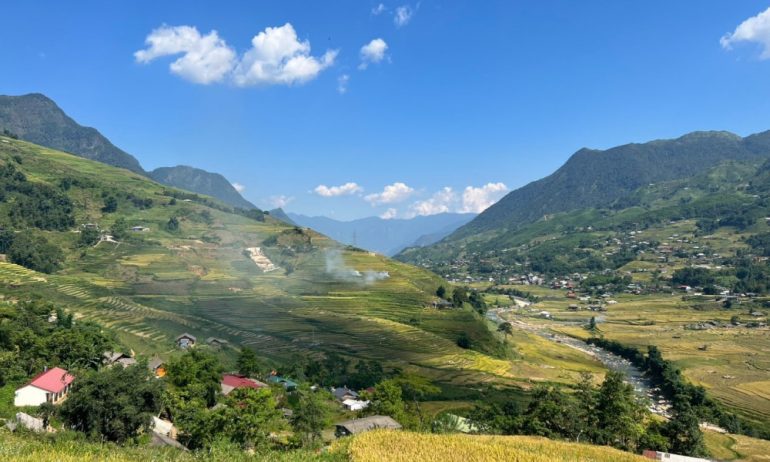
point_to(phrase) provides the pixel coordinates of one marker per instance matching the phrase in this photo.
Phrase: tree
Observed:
(114, 404)
(35, 252)
(311, 416)
(463, 341)
(250, 416)
(683, 431)
(6, 239)
(81, 345)
(172, 224)
(441, 292)
(506, 328)
(592, 324)
(620, 415)
(110, 204)
(248, 363)
(550, 414)
(585, 398)
(459, 296)
(387, 399)
(119, 229)
(88, 237)
(196, 374)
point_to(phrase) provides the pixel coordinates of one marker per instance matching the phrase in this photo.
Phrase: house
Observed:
(354, 404)
(112, 357)
(343, 393)
(216, 342)
(185, 341)
(356, 426)
(50, 386)
(286, 383)
(573, 307)
(657, 455)
(231, 382)
(443, 304)
(157, 367)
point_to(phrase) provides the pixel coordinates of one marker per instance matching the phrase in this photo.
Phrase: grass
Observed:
(158, 284)
(389, 446)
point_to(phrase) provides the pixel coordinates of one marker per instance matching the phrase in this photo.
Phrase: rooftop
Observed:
(53, 380)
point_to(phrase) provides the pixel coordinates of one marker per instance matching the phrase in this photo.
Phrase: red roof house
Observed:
(50, 386)
(231, 381)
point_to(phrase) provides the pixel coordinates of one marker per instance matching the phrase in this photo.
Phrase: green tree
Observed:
(506, 328)
(683, 431)
(311, 416)
(110, 204)
(586, 403)
(619, 413)
(459, 296)
(119, 229)
(114, 404)
(387, 399)
(88, 237)
(6, 239)
(592, 324)
(248, 363)
(172, 224)
(196, 374)
(250, 416)
(35, 252)
(441, 292)
(80, 346)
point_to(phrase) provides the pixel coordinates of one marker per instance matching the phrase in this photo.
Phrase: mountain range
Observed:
(386, 236)
(596, 179)
(38, 119)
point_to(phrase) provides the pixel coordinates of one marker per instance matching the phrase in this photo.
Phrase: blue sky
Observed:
(446, 105)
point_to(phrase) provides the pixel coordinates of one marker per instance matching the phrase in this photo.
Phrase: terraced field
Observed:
(731, 362)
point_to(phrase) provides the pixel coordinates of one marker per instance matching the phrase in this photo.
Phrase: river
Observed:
(635, 377)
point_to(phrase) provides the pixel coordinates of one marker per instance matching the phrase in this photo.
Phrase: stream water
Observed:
(634, 375)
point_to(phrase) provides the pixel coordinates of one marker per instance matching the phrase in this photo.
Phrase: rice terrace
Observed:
(372, 231)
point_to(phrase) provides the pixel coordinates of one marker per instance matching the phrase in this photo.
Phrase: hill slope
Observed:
(194, 265)
(37, 119)
(595, 179)
(201, 182)
(386, 236)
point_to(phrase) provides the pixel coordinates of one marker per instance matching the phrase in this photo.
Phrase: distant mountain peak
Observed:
(38, 119)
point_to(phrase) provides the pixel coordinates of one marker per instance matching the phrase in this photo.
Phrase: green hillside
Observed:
(595, 179)
(188, 271)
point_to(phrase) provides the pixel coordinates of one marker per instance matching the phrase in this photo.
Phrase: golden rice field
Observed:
(389, 446)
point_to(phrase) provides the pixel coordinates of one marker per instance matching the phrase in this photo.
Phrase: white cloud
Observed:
(441, 202)
(277, 56)
(391, 194)
(373, 52)
(476, 200)
(403, 15)
(379, 9)
(279, 201)
(389, 214)
(755, 29)
(239, 187)
(206, 59)
(342, 84)
(341, 190)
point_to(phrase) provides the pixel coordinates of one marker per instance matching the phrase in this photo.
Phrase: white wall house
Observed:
(51, 386)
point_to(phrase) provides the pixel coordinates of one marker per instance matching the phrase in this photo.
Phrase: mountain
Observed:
(596, 178)
(279, 214)
(149, 262)
(201, 182)
(386, 236)
(38, 119)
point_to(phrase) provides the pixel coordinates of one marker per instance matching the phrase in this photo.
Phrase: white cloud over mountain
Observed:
(239, 187)
(391, 194)
(276, 56)
(472, 200)
(476, 200)
(341, 190)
